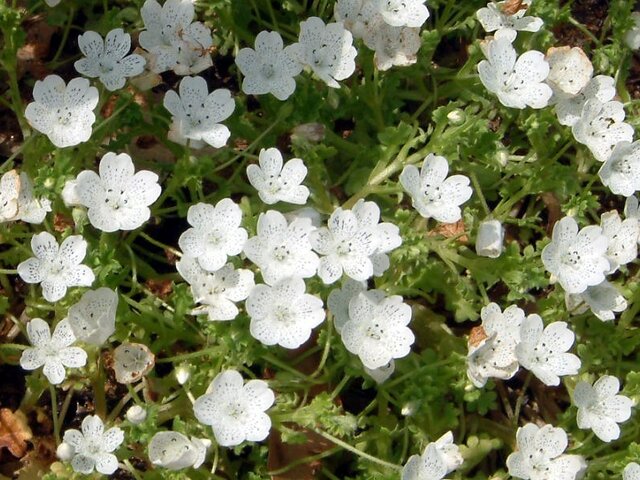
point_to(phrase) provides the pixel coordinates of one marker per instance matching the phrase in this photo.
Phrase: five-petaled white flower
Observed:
(517, 81)
(569, 107)
(53, 351)
(117, 198)
(601, 127)
(219, 291)
(327, 49)
(368, 215)
(197, 113)
(270, 68)
(393, 46)
(107, 59)
(339, 299)
(276, 182)
(377, 328)
(93, 447)
(174, 451)
(56, 267)
(540, 455)
(622, 235)
(428, 466)
(576, 259)
(492, 345)
(570, 71)
(93, 318)
(215, 235)
(282, 249)
(632, 470)
(283, 314)
(543, 350)
(604, 300)
(600, 408)
(235, 411)
(621, 171)
(64, 113)
(434, 195)
(493, 18)
(17, 201)
(402, 13)
(360, 17)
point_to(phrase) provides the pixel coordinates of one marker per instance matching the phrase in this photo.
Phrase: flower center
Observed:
(374, 330)
(64, 116)
(282, 314)
(268, 70)
(115, 199)
(281, 253)
(622, 166)
(572, 258)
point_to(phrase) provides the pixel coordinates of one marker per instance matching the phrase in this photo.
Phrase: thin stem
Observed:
(187, 356)
(131, 470)
(65, 406)
(65, 35)
(17, 152)
(520, 400)
(478, 190)
(161, 245)
(54, 413)
(5, 271)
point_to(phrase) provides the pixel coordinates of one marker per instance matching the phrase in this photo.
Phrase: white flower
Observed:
(327, 49)
(236, 412)
(377, 328)
(631, 472)
(280, 249)
(434, 195)
(93, 448)
(577, 259)
(632, 208)
(215, 235)
(136, 414)
(358, 16)
(622, 236)
(174, 451)
(339, 299)
(402, 13)
(543, 352)
(9, 193)
(489, 238)
(64, 113)
(56, 267)
(492, 345)
(603, 300)
(52, 3)
(283, 314)
(632, 36)
(621, 171)
(52, 351)
(601, 127)
(518, 82)
(494, 19)
(570, 70)
(132, 361)
(117, 198)
(449, 451)
(93, 318)
(218, 292)
(17, 201)
(569, 108)
(368, 216)
(193, 45)
(381, 374)
(276, 182)
(540, 455)
(197, 113)
(600, 408)
(428, 466)
(269, 68)
(107, 59)
(394, 46)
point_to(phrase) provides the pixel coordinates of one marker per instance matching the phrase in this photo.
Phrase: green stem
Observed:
(54, 413)
(201, 353)
(520, 400)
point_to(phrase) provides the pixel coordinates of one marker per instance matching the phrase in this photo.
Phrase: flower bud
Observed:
(489, 239)
(456, 117)
(312, 132)
(182, 373)
(136, 414)
(502, 157)
(409, 409)
(65, 451)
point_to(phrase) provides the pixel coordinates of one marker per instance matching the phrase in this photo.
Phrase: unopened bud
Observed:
(182, 372)
(65, 451)
(136, 414)
(456, 117)
(489, 239)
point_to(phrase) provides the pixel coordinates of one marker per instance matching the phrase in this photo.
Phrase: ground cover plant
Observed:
(351, 239)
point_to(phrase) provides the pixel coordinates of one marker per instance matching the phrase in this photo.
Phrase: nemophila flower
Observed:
(368, 216)
(117, 197)
(540, 455)
(377, 328)
(54, 352)
(235, 410)
(569, 108)
(381, 374)
(64, 113)
(600, 408)
(9, 193)
(276, 182)
(601, 127)
(402, 13)
(282, 249)
(17, 201)
(494, 18)
(604, 300)
(492, 345)
(270, 68)
(219, 291)
(632, 36)
(93, 447)
(570, 70)
(631, 472)
(326, 49)
(132, 361)
(307, 213)
(357, 16)
(93, 318)
(428, 466)
(56, 267)
(136, 414)
(283, 314)
(621, 171)
(489, 238)
(434, 195)
(339, 299)
(215, 235)
(174, 451)
(197, 113)
(52, 3)
(449, 451)
(108, 59)
(194, 45)
(542, 350)
(394, 46)
(622, 235)
(576, 259)
(518, 82)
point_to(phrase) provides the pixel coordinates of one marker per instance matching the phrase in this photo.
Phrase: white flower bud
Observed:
(136, 414)
(182, 373)
(409, 409)
(502, 157)
(65, 452)
(456, 117)
(489, 239)
(632, 37)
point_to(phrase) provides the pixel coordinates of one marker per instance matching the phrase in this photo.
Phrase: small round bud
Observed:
(456, 117)
(182, 373)
(409, 409)
(136, 414)
(489, 239)
(49, 183)
(502, 156)
(65, 452)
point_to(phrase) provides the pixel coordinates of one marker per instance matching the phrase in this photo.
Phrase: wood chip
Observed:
(14, 432)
